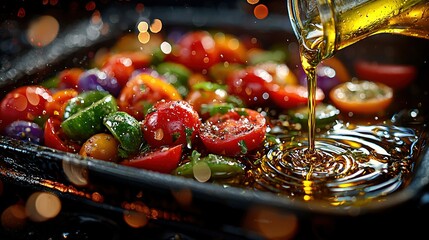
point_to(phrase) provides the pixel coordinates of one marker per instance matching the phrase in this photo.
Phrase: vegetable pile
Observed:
(203, 106)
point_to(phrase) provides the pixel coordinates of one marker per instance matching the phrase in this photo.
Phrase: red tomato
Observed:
(23, 103)
(291, 96)
(163, 160)
(234, 133)
(393, 75)
(250, 85)
(171, 123)
(196, 50)
(55, 108)
(69, 78)
(55, 138)
(142, 91)
(119, 67)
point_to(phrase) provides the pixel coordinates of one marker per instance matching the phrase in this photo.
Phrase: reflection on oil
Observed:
(357, 164)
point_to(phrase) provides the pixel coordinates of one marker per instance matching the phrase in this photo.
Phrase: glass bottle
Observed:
(326, 26)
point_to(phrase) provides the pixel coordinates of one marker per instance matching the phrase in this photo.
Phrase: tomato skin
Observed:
(54, 137)
(365, 106)
(170, 123)
(250, 85)
(230, 48)
(142, 91)
(199, 97)
(291, 96)
(119, 67)
(56, 107)
(395, 76)
(23, 103)
(102, 146)
(226, 134)
(163, 160)
(196, 50)
(69, 78)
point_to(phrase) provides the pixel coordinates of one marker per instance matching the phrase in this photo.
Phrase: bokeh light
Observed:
(42, 206)
(156, 26)
(14, 217)
(42, 31)
(260, 11)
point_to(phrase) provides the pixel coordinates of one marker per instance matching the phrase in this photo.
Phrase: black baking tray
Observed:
(112, 185)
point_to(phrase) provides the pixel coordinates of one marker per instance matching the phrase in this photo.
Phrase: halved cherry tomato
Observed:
(23, 103)
(55, 108)
(250, 85)
(69, 78)
(55, 138)
(290, 96)
(170, 123)
(142, 91)
(396, 76)
(163, 160)
(361, 97)
(237, 132)
(196, 50)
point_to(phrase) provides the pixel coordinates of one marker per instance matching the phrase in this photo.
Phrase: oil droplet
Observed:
(135, 219)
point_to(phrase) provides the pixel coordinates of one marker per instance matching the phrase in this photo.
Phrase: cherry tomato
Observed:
(291, 96)
(69, 78)
(56, 107)
(171, 123)
(55, 138)
(102, 146)
(395, 76)
(361, 97)
(196, 50)
(23, 103)
(230, 48)
(163, 160)
(250, 85)
(142, 91)
(120, 68)
(236, 132)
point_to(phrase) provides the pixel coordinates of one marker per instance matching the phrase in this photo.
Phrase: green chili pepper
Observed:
(221, 167)
(126, 130)
(89, 121)
(214, 108)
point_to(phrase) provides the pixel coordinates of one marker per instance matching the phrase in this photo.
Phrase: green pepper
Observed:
(176, 74)
(215, 108)
(221, 167)
(89, 121)
(326, 114)
(82, 101)
(126, 130)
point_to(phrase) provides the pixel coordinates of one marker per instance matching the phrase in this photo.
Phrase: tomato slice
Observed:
(55, 138)
(163, 160)
(23, 103)
(362, 97)
(396, 76)
(290, 96)
(236, 132)
(142, 91)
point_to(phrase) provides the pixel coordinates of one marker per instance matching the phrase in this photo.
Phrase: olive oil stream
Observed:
(350, 164)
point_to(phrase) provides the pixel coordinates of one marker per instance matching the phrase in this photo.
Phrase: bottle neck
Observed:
(326, 26)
